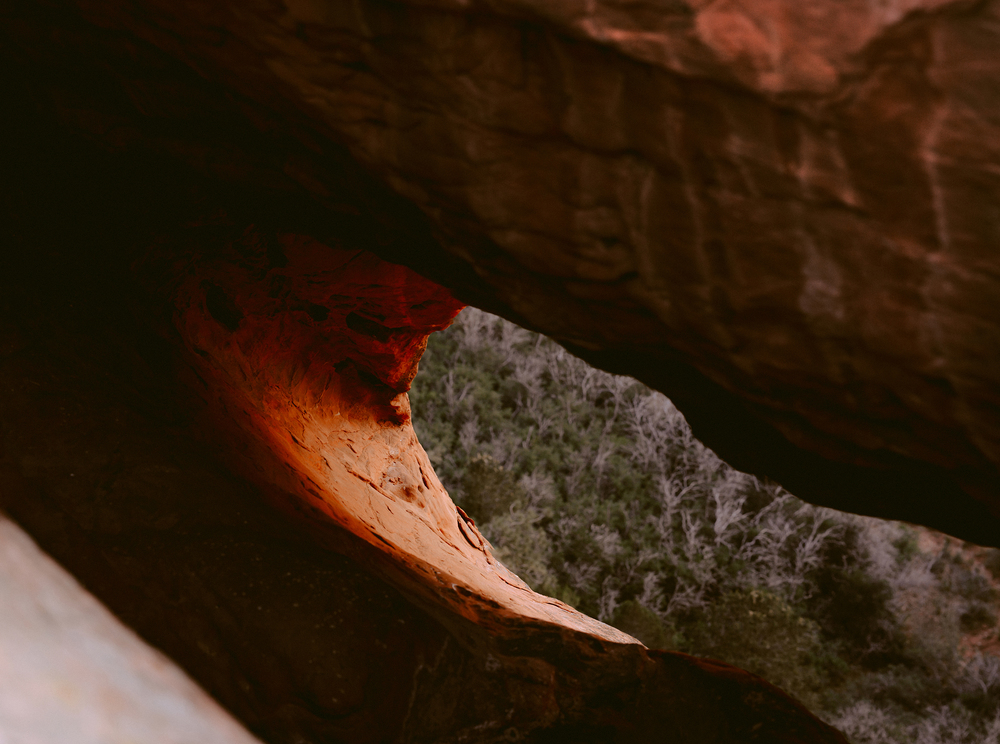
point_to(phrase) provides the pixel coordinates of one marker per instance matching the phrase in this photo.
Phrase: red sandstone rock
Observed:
(368, 616)
(778, 214)
(307, 352)
(783, 206)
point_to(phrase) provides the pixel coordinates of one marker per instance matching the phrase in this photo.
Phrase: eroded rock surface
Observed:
(226, 512)
(304, 354)
(779, 213)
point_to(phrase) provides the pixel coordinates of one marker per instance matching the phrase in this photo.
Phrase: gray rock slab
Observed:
(71, 672)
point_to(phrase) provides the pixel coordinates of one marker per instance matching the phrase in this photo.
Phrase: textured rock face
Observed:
(340, 598)
(785, 206)
(782, 217)
(304, 354)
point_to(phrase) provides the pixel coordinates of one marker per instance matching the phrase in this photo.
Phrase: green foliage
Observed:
(970, 584)
(490, 490)
(904, 688)
(592, 489)
(906, 546)
(760, 632)
(640, 622)
(634, 507)
(853, 607)
(522, 545)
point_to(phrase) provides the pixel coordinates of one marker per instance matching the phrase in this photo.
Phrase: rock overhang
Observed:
(797, 337)
(794, 222)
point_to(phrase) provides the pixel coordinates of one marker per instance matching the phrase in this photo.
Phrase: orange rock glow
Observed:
(309, 351)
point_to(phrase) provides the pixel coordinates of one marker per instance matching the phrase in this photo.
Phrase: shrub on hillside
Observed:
(866, 723)
(852, 606)
(522, 545)
(760, 632)
(489, 489)
(642, 623)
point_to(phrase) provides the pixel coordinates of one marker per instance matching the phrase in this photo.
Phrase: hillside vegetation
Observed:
(592, 488)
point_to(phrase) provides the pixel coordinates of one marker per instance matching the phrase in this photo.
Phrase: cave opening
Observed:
(593, 489)
(210, 313)
(234, 473)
